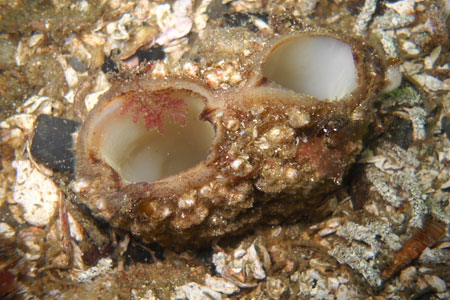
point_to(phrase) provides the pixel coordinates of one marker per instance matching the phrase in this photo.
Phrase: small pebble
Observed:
(343, 293)
(52, 142)
(77, 64)
(333, 284)
(393, 79)
(6, 230)
(154, 53)
(408, 275)
(410, 48)
(436, 283)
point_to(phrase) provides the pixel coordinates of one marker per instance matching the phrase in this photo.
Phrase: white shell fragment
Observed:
(195, 291)
(410, 48)
(220, 285)
(76, 230)
(101, 86)
(201, 16)
(393, 79)
(118, 30)
(70, 74)
(431, 83)
(431, 59)
(22, 121)
(103, 266)
(242, 267)
(275, 287)
(6, 230)
(37, 105)
(174, 25)
(36, 193)
(402, 7)
(257, 267)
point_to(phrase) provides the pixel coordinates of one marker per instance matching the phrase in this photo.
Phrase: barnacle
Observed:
(319, 66)
(178, 163)
(123, 132)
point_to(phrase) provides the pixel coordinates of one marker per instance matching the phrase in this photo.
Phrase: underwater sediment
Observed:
(194, 81)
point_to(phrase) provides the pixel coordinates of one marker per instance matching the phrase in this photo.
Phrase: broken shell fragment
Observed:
(180, 164)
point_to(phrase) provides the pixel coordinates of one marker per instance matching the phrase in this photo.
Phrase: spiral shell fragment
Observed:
(180, 164)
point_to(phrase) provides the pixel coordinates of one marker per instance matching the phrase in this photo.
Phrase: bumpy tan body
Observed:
(276, 155)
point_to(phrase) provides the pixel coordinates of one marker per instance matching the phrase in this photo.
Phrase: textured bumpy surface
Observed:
(276, 153)
(387, 236)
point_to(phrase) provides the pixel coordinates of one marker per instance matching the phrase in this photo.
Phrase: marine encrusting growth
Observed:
(179, 163)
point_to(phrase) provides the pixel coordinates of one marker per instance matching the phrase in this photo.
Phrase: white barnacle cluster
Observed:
(242, 269)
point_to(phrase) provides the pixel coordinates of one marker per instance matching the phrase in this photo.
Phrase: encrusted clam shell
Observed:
(275, 154)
